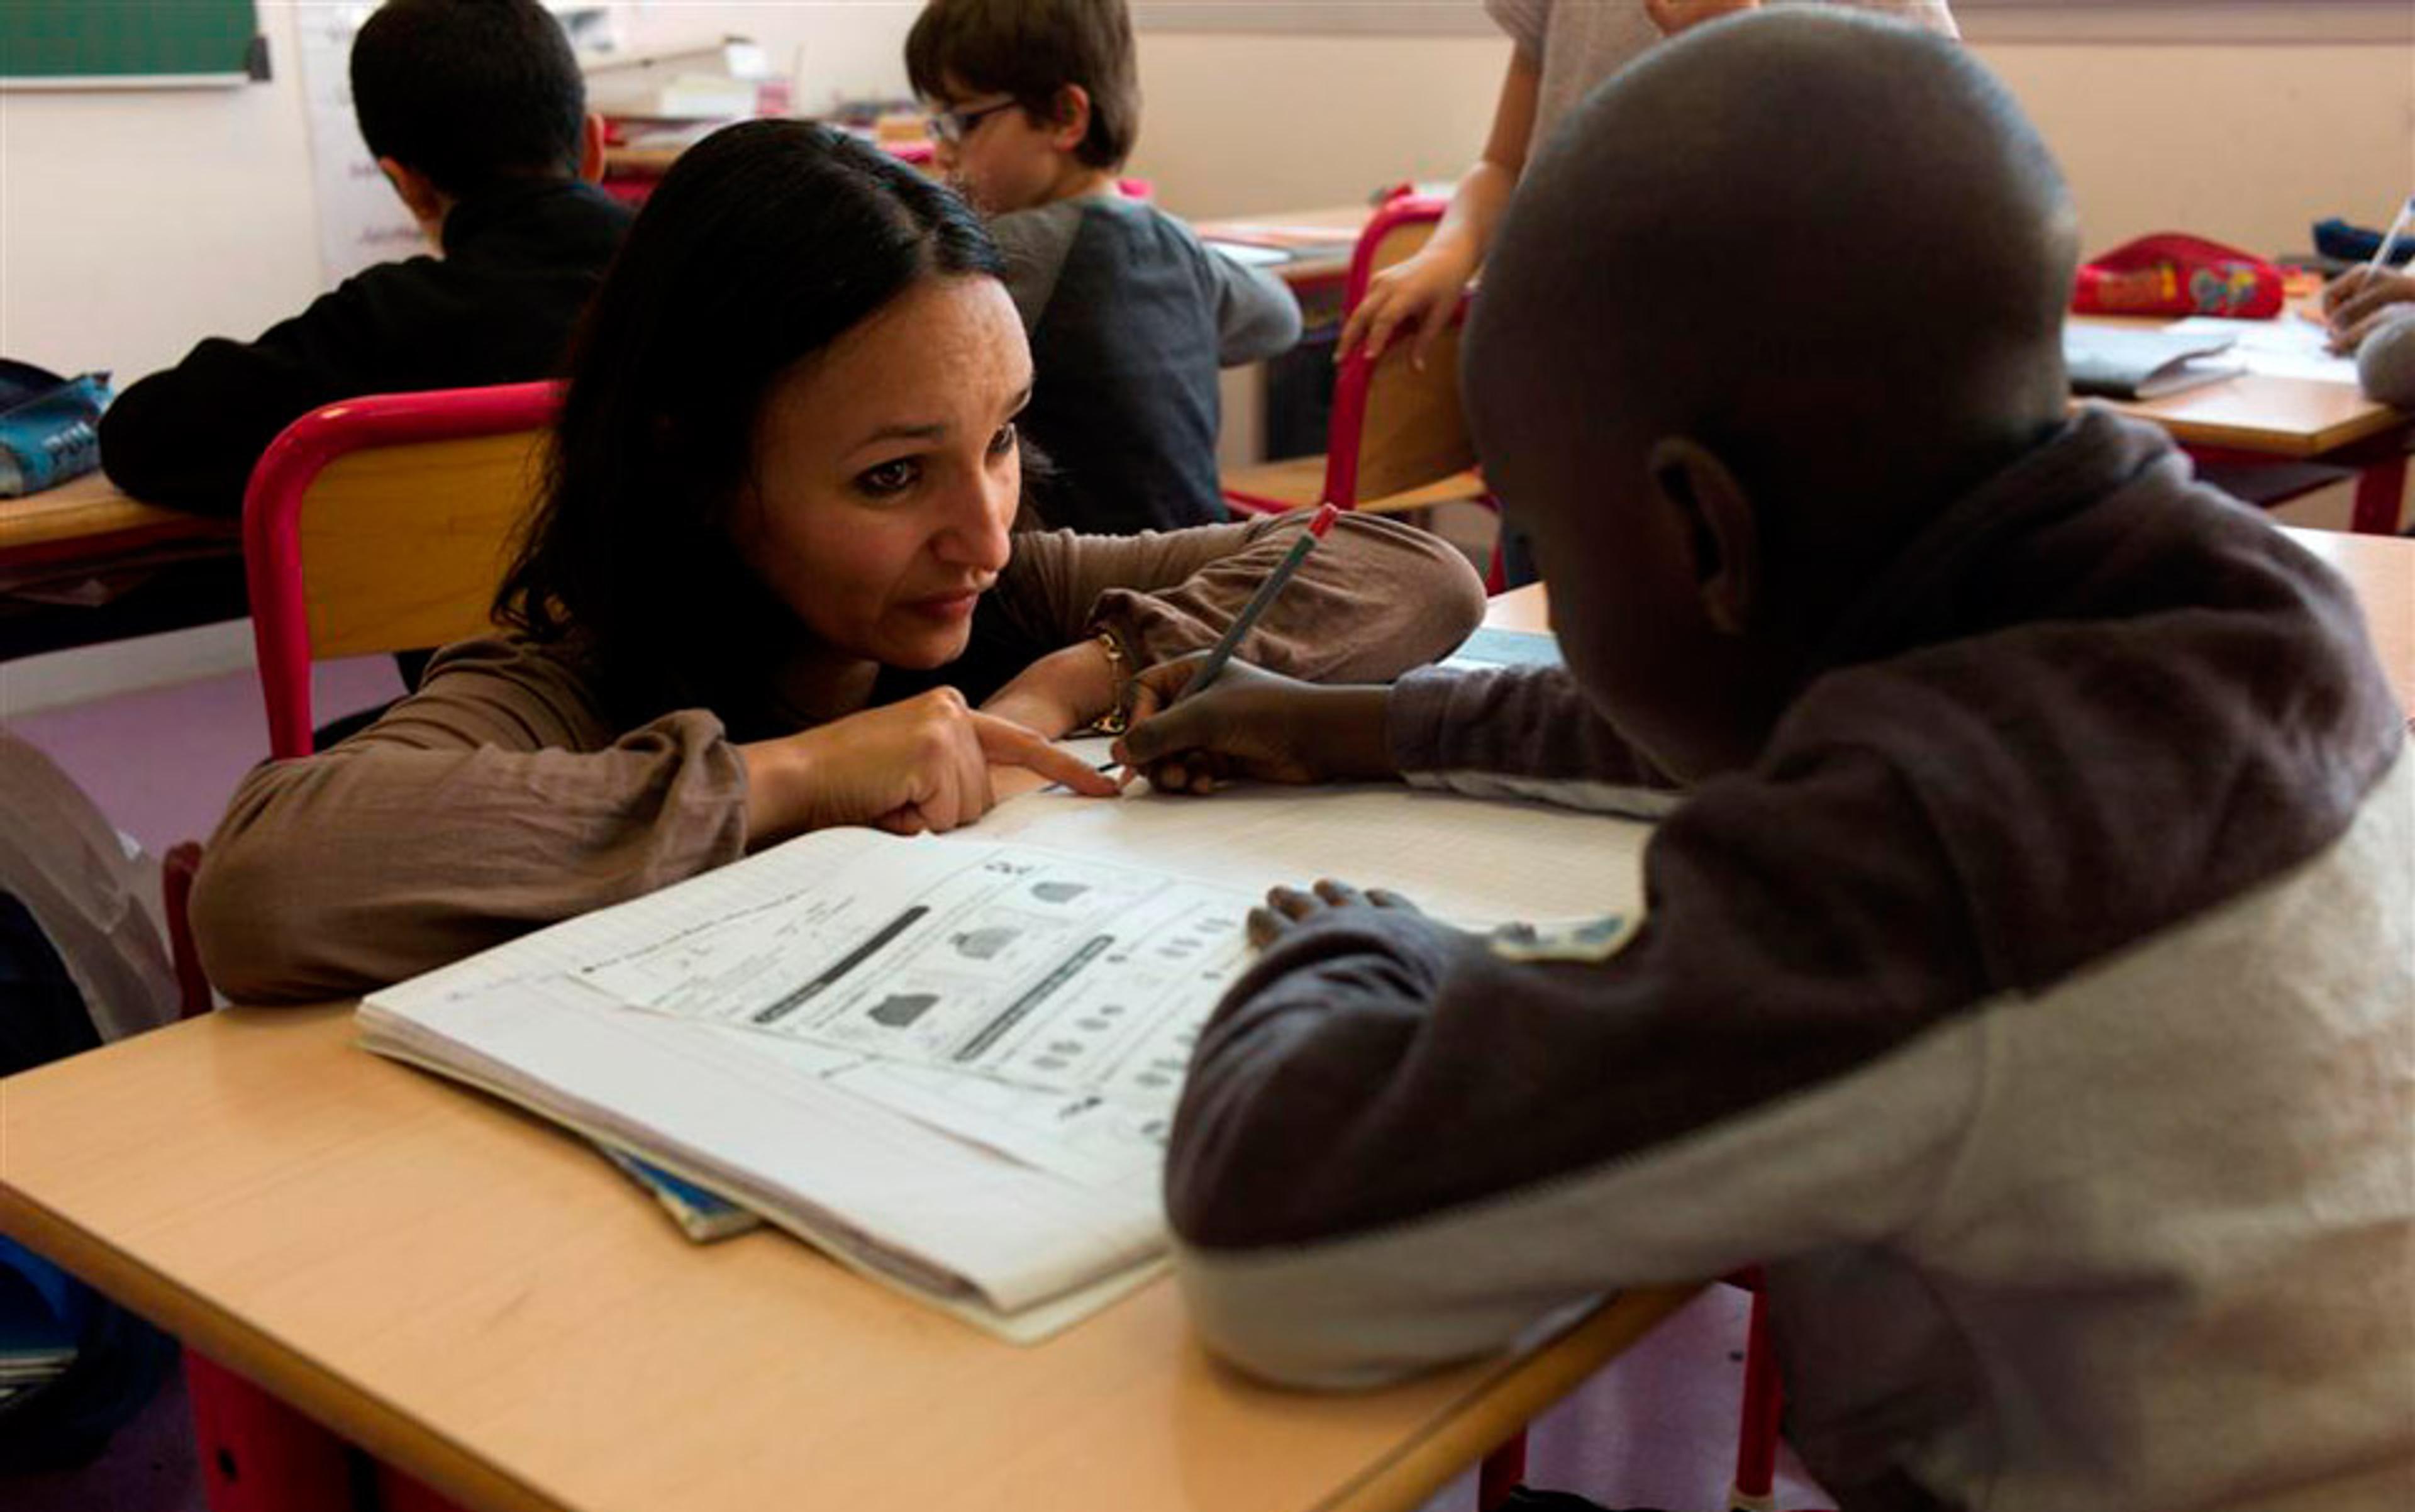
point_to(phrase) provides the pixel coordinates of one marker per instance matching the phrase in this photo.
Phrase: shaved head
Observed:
(1788, 235)
(1823, 250)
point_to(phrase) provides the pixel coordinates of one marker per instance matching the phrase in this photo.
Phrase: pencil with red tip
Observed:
(1231, 640)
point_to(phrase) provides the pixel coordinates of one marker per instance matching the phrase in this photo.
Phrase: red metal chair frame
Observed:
(272, 515)
(258, 1454)
(1344, 430)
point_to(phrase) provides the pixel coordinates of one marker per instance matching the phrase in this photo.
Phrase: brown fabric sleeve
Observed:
(1374, 599)
(494, 800)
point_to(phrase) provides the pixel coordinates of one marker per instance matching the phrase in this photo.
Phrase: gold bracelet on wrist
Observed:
(1118, 715)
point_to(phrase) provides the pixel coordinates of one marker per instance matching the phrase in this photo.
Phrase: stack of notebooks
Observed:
(952, 1061)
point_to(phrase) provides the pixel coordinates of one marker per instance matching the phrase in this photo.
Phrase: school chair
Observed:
(384, 524)
(1397, 441)
(1754, 1486)
(378, 524)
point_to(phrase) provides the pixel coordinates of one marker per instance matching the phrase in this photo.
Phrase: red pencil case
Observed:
(2174, 274)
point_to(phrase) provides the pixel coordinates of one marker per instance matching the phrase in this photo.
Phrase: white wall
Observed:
(2246, 143)
(131, 224)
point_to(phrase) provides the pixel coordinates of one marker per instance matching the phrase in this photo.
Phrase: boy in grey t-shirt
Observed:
(1036, 108)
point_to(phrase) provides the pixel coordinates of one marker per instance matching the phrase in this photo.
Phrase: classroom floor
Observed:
(1658, 1430)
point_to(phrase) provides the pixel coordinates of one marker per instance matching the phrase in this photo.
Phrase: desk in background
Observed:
(89, 524)
(2262, 417)
(2252, 416)
(83, 563)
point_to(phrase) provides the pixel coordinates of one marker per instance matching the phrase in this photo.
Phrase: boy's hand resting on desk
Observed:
(1287, 908)
(923, 764)
(2359, 303)
(1254, 723)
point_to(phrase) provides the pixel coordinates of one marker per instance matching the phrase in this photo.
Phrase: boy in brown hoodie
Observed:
(2025, 977)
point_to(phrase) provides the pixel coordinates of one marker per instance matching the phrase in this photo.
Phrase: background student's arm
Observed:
(188, 437)
(1256, 317)
(1426, 289)
(1400, 1144)
(2385, 362)
(2362, 301)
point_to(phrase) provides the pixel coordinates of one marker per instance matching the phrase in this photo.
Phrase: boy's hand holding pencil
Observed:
(1258, 725)
(1223, 719)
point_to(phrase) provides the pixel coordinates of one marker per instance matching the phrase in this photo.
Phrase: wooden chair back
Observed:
(1396, 427)
(385, 524)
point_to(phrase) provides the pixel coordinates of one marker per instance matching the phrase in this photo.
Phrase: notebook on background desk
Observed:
(2137, 363)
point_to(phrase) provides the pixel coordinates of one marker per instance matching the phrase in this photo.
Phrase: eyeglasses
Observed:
(953, 126)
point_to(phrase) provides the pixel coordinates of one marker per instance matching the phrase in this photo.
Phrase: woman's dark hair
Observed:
(763, 244)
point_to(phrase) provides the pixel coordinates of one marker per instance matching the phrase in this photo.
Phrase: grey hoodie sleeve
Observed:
(1256, 317)
(2385, 363)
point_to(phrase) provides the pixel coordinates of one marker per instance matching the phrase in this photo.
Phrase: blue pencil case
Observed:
(2338, 238)
(49, 426)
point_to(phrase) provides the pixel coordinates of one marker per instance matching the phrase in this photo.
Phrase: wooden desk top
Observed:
(2381, 569)
(2294, 417)
(475, 1297)
(89, 519)
(478, 1299)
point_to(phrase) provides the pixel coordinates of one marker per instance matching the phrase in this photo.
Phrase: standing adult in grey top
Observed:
(1564, 48)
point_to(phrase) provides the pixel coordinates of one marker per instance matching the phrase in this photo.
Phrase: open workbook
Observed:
(952, 1061)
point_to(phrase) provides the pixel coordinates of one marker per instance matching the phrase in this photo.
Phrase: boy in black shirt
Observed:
(476, 113)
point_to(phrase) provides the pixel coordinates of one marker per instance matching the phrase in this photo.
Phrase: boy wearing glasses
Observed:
(1035, 108)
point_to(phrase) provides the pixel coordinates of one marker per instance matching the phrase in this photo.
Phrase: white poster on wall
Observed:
(361, 220)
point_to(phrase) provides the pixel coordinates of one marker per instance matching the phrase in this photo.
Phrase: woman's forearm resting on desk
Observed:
(502, 797)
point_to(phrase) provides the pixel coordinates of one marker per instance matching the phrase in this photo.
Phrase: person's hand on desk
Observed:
(2362, 301)
(1286, 908)
(923, 764)
(1253, 724)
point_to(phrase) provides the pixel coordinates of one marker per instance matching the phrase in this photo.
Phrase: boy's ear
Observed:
(420, 195)
(1719, 526)
(591, 148)
(1069, 120)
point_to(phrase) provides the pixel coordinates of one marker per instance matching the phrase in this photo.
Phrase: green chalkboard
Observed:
(64, 41)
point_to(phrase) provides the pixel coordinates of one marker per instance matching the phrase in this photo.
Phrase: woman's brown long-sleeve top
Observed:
(503, 796)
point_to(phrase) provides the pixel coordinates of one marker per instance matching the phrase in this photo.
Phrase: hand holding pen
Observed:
(2362, 300)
